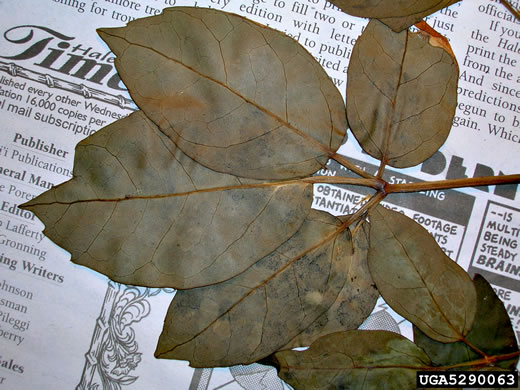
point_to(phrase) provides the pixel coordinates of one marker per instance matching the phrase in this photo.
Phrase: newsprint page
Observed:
(63, 326)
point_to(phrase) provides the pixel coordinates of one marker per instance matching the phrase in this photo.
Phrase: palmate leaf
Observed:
(141, 212)
(401, 94)
(417, 279)
(396, 14)
(257, 312)
(357, 359)
(491, 333)
(235, 96)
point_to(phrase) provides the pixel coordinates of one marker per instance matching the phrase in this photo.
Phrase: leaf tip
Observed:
(104, 31)
(159, 353)
(164, 347)
(114, 38)
(29, 205)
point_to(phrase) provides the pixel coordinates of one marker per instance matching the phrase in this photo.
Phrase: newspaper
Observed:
(63, 326)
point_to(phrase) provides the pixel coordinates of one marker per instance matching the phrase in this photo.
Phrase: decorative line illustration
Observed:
(79, 89)
(113, 352)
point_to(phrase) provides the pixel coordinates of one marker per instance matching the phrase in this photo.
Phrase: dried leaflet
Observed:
(417, 279)
(355, 301)
(225, 89)
(396, 14)
(401, 95)
(252, 315)
(141, 212)
(492, 333)
(357, 359)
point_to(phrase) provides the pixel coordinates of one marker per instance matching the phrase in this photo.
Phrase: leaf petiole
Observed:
(480, 362)
(511, 9)
(475, 348)
(374, 183)
(351, 166)
(452, 183)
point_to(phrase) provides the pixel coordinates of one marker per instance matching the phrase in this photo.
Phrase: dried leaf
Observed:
(357, 359)
(492, 333)
(396, 14)
(141, 212)
(254, 314)
(235, 96)
(401, 95)
(417, 279)
(355, 301)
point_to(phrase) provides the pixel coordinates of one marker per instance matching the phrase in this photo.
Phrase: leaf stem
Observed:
(365, 182)
(475, 348)
(473, 363)
(452, 183)
(479, 362)
(511, 9)
(372, 202)
(351, 166)
(381, 169)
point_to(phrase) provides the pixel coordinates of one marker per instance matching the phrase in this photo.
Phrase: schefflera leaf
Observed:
(235, 96)
(251, 316)
(355, 301)
(492, 333)
(401, 94)
(356, 359)
(141, 212)
(417, 279)
(396, 14)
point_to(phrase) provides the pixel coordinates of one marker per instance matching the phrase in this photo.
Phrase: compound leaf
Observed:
(235, 96)
(401, 94)
(141, 212)
(417, 279)
(252, 315)
(396, 14)
(492, 333)
(357, 359)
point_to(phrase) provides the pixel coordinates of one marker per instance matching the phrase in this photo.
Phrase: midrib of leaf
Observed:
(284, 122)
(261, 285)
(473, 363)
(432, 297)
(373, 183)
(177, 194)
(431, 136)
(390, 119)
(355, 367)
(373, 201)
(511, 9)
